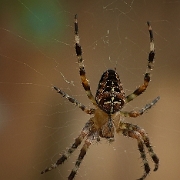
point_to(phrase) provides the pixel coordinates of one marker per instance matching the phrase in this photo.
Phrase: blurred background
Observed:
(37, 52)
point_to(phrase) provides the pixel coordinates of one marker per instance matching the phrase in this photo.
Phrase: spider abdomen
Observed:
(110, 96)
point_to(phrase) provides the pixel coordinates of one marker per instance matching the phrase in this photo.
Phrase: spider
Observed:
(108, 114)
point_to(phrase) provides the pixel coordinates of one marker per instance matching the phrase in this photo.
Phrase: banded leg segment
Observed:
(91, 136)
(141, 111)
(75, 102)
(136, 135)
(82, 72)
(151, 55)
(79, 160)
(66, 154)
(149, 147)
(74, 146)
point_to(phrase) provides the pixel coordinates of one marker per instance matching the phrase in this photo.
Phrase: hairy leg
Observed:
(74, 146)
(140, 135)
(79, 160)
(82, 71)
(143, 87)
(149, 147)
(141, 111)
(75, 102)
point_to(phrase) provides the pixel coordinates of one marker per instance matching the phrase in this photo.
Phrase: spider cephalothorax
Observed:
(107, 112)
(110, 96)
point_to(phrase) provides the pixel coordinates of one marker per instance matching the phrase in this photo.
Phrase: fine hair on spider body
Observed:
(107, 113)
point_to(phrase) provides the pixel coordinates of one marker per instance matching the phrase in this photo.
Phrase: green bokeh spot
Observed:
(42, 21)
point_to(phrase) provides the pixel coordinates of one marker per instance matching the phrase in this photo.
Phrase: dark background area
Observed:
(37, 52)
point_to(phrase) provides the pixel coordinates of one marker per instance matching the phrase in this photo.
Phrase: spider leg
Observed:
(75, 102)
(149, 147)
(143, 87)
(141, 111)
(80, 158)
(74, 146)
(82, 72)
(128, 130)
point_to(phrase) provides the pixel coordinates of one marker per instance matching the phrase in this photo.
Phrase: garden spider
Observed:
(107, 114)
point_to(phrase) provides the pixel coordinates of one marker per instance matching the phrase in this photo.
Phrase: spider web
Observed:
(37, 52)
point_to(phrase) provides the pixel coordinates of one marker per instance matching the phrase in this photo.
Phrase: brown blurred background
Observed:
(37, 52)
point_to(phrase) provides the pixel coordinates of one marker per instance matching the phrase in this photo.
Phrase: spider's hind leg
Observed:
(92, 135)
(74, 146)
(130, 130)
(149, 147)
(79, 160)
(65, 155)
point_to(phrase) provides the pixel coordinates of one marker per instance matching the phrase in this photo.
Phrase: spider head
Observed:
(110, 96)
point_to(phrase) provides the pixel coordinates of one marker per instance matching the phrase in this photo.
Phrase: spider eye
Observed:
(110, 96)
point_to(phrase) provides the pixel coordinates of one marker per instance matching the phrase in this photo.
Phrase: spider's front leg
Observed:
(143, 87)
(82, 72)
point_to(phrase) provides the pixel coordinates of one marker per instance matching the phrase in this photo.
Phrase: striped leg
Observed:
(82, 72)
(136, 135)
(141, 111)
(143, 87)
(79, 160)
(66, 154)
(75, 102)
(74, 146)
(149, 147)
